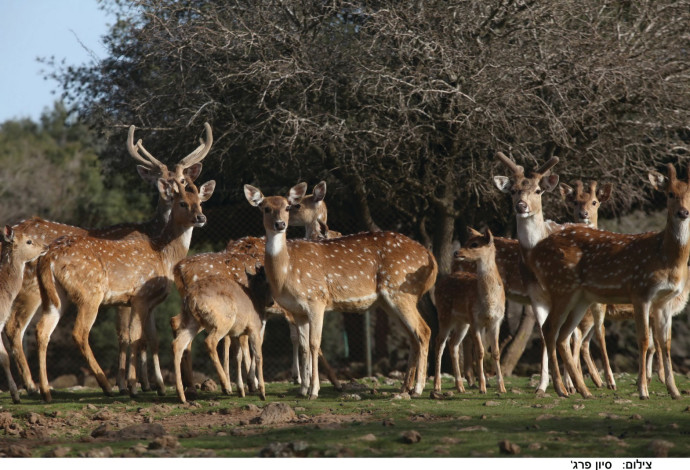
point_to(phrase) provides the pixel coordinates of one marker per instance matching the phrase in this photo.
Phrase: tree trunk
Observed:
(514, 350)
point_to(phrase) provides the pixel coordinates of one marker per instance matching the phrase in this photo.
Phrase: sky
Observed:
(30, 29)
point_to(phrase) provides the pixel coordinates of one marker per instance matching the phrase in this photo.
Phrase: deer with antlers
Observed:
(471, 300)
(135, 272)
(29, 299)
(18, 249)
(526, 192)
(580, 265)
(352, 273)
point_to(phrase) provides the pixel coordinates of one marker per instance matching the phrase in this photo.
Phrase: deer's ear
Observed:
(473, 233)
(253, 195)
(604, 193)
(193, 172)
(320, 191)
(565, 191)
(502, 183)
(296, 193)
(206, 190)
(548, 183)
(148, 175)
(659, 181)
(488, 236)
(8, 234)
(165, 189)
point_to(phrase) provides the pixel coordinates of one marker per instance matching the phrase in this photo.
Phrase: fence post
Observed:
(367, 342)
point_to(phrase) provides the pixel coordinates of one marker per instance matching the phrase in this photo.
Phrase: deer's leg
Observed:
(295, 339)
(572, 341)
(540, 309)
(496, 352)
(642, 328)
(152, 341)
(303, 329)
(600, 331)
(211, 341)
(122, 323)
(136, 324)
(330, 373)
(572, 320)
(183, 338)
(23, 309)
(315, 329)
(227, 343)
(662, 331)
(44, 329)
(551, 329)
(249, 364)
(654, 346)
(5, 363)
(441, 339)
(479, 356)
(86, 316)
(455, 341)
(238, 355)
(255, 340)
(587, 328)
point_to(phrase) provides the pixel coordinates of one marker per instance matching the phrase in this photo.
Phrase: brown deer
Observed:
(136, 272)
(29, 299)
(580, 265)
(471, 300)
(526, 192)
(352, 273)
(17, 249)
(225, 294)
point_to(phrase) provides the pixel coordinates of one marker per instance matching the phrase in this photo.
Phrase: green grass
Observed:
(613, 424)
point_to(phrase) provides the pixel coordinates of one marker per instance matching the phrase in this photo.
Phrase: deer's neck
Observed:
(277, 260)
(11, 274)
(160, 220)
(676, 241)
(531, 230)
(173, 244)
(489, 281)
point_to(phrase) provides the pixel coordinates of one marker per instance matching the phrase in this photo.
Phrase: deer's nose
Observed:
(200, 219)
(584, 215)
(521, 207)
(683, 214)
(280, 226)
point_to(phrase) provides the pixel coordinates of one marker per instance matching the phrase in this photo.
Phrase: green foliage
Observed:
(52, 169)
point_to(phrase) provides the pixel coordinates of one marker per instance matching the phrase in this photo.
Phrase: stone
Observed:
(274, 413)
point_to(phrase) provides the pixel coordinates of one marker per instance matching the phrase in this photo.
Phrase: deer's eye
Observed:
(183, 205)
(539, 191)
(594, 203)
(295, 207)
(29, 242)
(474, 245)
(288, 208)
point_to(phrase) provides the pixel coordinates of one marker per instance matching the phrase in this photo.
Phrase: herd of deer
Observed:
(572, 275)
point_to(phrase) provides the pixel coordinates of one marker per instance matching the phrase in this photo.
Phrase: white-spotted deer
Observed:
(29, 298)
(17, 249)
(579, 266)
(137, 272)
(526, 192)
(471, 300)
(353, 274)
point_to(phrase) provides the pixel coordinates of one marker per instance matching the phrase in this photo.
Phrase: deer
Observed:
(353, 273)
(471, 300)
(244, 255)
(18, 249)
(137, 272)
(28, 299)
(526, 192)
(581, 265)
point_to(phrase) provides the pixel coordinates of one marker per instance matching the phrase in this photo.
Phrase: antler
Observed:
(547, 166)
(201, 151)
(150, 162)
(517, 169)
(593, 187)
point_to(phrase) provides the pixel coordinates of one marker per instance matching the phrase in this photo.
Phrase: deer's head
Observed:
(478, 246)
(526, 191)
(21, 246)
(677, 197)
(276, 209)
(185, 201)
(584, 204)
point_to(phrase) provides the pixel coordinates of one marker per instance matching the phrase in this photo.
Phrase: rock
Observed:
(59, 451)
(5, 419)
(350, 397)
(411, 437)
(65, 381)
(101, 453)
(401, 396)
(138, 449)
(164, 442)
(436, 395)
(15, 450)
(660, 447)
(368, 437)
(251, 407)
(103, 415)
(492, 403)
(35, 418)
(91, 382)
(290, 449)
(102, 430)
(473, 428)
(141, 431)
(507, 447)
(275, 412)
(209, 385)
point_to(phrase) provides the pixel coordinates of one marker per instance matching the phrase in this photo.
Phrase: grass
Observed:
(613, 424)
